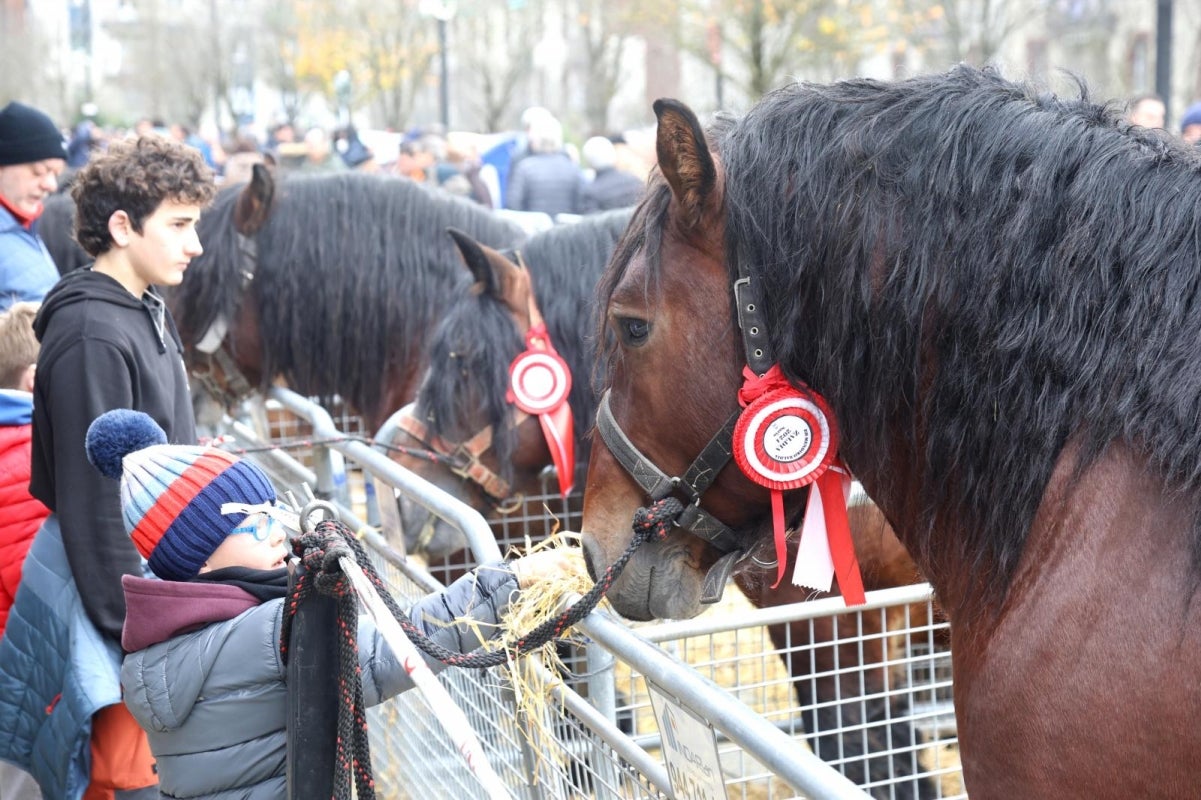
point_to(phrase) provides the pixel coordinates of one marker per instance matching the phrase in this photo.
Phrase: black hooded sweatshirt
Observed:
(102, 348)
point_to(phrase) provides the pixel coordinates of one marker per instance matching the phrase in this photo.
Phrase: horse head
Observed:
(461, 433)
(669, 319)
(216, 307)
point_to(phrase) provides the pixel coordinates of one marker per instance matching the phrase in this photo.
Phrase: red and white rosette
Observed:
(539, 384)
(784, 439)
(539, 381)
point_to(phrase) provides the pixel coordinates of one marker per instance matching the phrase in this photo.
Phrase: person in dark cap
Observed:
(32, 156)
(1190, 124)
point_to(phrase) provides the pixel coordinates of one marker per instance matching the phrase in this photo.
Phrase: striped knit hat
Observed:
(171, 495)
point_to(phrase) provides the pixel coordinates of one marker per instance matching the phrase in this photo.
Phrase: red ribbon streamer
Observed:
(838, 535)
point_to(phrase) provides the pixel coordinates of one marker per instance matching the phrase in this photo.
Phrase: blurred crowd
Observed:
(532, 168)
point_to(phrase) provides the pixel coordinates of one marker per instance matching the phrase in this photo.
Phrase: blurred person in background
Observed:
(547, 180)
(319, 155)
(1190, 124)
(352, 150)
(241, 160)
(610, 187)
(1146, 110)
(32, 157)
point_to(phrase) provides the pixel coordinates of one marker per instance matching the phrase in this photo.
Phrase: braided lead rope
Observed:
(653, 521)
(321, 558)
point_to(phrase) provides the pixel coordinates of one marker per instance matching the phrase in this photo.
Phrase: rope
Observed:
(321, 552)
(651, 522)
(302, 444)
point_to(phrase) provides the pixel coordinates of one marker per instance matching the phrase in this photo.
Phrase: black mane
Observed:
(1006, 269)
(478, 339)
(352, 272)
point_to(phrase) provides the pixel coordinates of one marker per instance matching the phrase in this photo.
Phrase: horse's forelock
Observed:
(642, 235)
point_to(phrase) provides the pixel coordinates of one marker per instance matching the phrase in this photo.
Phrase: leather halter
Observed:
(463, 459)
(214, 362)
(713, 457)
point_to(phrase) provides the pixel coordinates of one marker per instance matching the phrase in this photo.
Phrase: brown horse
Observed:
(463, 399)
(332, 283)
(998, 293)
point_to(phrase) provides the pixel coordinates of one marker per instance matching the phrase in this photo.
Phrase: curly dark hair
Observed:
(136, 177)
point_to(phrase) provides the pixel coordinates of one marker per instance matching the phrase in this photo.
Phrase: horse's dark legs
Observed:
(831, 680)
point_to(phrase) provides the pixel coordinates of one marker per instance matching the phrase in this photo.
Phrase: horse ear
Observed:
(475, 258)
(497, 275)
(254, 204)
(684, 157)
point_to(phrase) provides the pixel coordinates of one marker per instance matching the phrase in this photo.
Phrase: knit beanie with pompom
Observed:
(171, 495)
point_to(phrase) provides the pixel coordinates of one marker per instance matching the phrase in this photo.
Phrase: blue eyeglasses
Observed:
(259, 525)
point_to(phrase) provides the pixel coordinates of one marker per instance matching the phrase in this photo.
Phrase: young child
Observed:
(20, 514)
(203, 674)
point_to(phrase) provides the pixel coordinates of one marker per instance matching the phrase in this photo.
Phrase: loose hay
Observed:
(534, 605)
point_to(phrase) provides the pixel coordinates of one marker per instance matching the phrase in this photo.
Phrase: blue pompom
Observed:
(117, 433)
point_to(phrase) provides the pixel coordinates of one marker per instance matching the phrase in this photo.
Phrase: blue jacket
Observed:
(26, 269)
(56, 671)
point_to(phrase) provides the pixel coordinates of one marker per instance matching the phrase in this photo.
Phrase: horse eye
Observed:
(633, 331)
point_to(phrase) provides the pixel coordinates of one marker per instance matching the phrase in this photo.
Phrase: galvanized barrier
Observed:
(599, 734)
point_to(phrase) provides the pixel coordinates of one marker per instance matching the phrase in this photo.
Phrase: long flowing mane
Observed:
(985, 271)
(478, 340)
(352, 272)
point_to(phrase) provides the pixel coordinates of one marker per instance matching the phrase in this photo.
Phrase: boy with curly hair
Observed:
(108, 342)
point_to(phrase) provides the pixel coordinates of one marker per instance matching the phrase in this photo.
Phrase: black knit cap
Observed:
(27, 135)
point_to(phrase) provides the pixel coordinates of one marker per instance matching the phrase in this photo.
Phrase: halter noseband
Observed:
(463, 459)
(713, 457)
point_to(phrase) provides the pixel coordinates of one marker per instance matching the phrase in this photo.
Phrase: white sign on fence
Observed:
(689, 749)
(389, 515)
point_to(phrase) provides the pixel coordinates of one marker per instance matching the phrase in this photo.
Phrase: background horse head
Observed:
(463, 391)
(331, 282)
(998, 292)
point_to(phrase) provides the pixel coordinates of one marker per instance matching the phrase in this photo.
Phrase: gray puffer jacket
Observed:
(213, 700)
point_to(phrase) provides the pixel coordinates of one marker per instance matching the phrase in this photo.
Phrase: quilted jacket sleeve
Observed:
(461, 618)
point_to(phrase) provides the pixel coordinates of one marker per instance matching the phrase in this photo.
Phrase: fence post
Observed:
(312, 697)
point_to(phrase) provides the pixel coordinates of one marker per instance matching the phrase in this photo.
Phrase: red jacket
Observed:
(20, 514)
